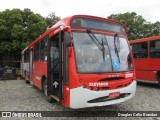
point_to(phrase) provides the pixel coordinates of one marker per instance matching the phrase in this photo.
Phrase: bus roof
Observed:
(66, 22)
(145, 39)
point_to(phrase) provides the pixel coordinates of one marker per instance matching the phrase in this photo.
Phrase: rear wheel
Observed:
(158, 79)
(26, 81)
(48, 98)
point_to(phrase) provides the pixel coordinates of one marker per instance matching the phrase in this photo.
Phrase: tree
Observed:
(17, 29)
(137, 26)
(51, 19)
(156, 28)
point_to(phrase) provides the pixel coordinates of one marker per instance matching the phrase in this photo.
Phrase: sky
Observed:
(150, 10)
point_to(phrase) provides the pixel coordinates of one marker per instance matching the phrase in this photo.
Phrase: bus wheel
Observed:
(158, 79)
(48, 98)
(26, 81)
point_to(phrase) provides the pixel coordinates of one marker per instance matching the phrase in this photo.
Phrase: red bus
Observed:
(82, 61)
(146, 53)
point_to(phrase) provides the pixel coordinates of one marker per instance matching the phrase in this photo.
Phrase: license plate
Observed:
(114, 95)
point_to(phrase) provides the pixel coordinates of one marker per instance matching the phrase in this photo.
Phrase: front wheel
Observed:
(48, 98)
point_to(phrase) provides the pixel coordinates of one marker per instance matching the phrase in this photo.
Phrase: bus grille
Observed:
(112, 78)
(106, 98)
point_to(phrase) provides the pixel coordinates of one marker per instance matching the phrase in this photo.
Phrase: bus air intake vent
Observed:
(106, 98)
(112, 78)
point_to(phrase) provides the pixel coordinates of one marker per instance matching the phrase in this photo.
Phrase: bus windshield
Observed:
(89, 58)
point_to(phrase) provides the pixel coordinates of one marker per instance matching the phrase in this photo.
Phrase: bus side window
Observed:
(43, 49)
(54, 55)
(154, 49)
(140, 50)
(36, 52)
(26, 56)
(54, 50)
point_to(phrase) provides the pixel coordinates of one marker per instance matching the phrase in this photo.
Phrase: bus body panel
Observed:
(154, 64)
(146, 75)
(37, 81)
(74, 81)
(146, 68)
(39, 70)
(118, 82)
(80, 97)
(66, 100)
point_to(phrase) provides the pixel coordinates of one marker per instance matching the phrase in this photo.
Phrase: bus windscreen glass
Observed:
(90, 58)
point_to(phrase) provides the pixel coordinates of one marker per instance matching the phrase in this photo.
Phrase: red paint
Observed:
(39, 70)
(147, 68)
(66, 100)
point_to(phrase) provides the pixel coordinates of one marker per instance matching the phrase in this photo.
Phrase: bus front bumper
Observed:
(80, 96)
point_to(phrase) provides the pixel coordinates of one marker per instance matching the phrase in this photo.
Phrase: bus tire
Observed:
(158, 79)
(26, 81)
(48, 98)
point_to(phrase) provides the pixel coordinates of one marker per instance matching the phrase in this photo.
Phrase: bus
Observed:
(82, 61)
(146, 53)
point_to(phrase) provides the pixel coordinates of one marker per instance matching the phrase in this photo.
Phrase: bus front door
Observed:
(54, 81)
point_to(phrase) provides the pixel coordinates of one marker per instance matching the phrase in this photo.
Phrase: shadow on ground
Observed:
(149, 85)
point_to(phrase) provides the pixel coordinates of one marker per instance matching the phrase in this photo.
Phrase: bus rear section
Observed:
(89, 63)
(146, 53)
(25, 64)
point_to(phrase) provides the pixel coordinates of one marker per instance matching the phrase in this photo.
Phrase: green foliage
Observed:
(51, 19)
(17, 29)
(5, 47)
(137, 26)
(156, 28)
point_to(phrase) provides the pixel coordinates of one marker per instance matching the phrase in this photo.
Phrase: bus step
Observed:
(55, 97)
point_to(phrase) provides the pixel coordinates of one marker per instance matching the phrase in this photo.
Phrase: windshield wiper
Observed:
(95, 40)
(108, 49)
(103, 51)
(115, 47)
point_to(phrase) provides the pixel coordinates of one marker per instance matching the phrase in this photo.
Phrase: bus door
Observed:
(54, 81)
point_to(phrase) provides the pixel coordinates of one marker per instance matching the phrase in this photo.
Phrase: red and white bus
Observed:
(82, 61)
(146, 52)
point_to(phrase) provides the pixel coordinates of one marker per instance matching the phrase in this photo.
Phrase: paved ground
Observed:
(15, 95)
